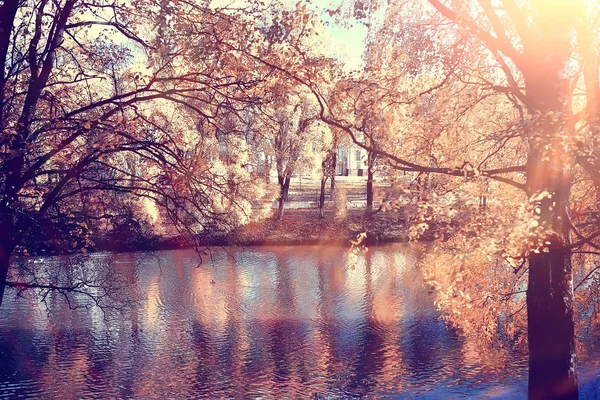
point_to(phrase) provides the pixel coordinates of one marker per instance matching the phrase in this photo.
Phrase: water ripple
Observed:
(287, 322)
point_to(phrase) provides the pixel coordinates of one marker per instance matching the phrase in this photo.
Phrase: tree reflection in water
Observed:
(277, 322)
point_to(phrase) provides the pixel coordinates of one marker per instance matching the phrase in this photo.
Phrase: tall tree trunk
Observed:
(322, 198)
(8, 11)
(551, 327)
(552, 358)
(334, 171)
(6, 248)
(284, 186)
(551, 330)
(369, 191)
(4, 264)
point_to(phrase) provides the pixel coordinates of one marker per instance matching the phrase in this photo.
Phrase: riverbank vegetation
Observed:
(483, 117)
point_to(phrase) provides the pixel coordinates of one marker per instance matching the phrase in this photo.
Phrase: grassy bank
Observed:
(302, 226)
(298, 226)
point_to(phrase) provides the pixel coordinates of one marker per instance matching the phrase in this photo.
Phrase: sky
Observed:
(347, 42)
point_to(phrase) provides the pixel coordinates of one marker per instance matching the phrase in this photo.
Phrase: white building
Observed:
(351, 161)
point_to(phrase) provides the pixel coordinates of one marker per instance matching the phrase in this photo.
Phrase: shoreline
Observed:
(297, 228)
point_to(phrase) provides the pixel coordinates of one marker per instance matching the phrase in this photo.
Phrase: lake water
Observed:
(268, 322)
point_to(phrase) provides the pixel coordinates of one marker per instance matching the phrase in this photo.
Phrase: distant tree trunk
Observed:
(284, 186)
(334, 170)
(369, 192)
(332, 184)
(370, 167)
(322, 198)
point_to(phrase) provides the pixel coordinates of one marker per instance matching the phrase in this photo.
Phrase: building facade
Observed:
(351, 161)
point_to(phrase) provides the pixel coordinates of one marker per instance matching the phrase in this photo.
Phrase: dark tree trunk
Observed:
(6, 248)
(551, 329)
(369, 190)
(552, 357)
(333, 172)
(284, 186)
(4, 264)
(8, 11)
(322, 198)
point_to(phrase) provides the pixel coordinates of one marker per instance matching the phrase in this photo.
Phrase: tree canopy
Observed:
(492, 108)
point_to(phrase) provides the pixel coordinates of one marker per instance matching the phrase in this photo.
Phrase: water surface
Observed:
(268, 322)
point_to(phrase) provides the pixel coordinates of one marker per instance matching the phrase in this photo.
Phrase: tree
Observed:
(542, 64)
(365, 99)
(292, 135)
(524, 53)
(328, 172)
(76, 100)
